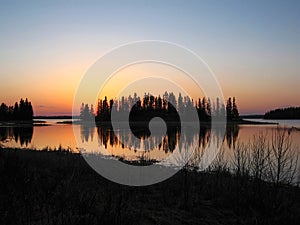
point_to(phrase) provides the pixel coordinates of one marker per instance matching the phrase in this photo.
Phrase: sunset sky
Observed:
(252, 47)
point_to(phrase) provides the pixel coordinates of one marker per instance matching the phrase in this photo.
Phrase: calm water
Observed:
(287, 123)
(54, 135)
(122, 143)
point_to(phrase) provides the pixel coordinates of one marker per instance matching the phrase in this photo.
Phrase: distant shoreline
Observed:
(16, 123)
(237, 122)
(43, 123)
(245, 122)
(56, 117)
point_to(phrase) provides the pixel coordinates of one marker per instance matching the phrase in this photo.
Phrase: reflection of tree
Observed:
(232, 132)
(86, 132)
(21, 135)
(204, 137)
(105, 135)
(4, 134)
(126, 139)
(184, 138)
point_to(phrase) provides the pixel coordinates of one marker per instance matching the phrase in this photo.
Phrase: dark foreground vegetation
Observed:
(58, 187)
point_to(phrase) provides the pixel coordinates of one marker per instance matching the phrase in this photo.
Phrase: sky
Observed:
(253, 47)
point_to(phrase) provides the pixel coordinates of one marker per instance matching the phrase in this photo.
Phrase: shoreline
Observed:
(108, 124)
(245, 122)
(17, 123)
(174, 123)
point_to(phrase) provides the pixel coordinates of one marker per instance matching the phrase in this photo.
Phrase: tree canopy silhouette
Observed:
(20, 111)
(86, 112)
(166, 106)
(232, 110)
(283, 113)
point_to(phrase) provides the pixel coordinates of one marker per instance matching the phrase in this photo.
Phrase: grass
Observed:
(58, 187)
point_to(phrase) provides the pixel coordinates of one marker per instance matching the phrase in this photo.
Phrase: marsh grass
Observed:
(56, 186)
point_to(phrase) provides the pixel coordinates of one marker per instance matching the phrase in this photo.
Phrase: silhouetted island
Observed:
(292, 113)
(168, 106)
(19, 112)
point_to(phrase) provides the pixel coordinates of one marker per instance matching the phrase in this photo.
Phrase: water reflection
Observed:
(125, 139)
(21, 135)
(179, 146)
(232, 133)
(87, 132)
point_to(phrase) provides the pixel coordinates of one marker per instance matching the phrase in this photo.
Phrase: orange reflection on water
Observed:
(53, 137)
(247, 132)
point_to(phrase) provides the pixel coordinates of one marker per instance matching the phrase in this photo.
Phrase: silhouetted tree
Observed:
(229, 109)
(217, 109)
(159, 103)
(283, 158)
(22, 111)
(167, 105)
(208, 107)
(86, 113)
(232, 110)
(4, 112)
(235, 111)
(180, 103)
(16, 111)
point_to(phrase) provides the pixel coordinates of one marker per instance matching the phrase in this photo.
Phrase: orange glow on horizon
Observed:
(149, 77)
(53, 94)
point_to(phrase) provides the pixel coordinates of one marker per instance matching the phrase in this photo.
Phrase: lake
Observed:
(123, 144)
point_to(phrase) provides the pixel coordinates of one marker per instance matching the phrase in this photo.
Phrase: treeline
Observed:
(20, 111)
(283, 113)
(167, 106)
(86, 112)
